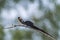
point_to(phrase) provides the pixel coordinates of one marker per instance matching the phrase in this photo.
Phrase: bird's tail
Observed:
(36, 28)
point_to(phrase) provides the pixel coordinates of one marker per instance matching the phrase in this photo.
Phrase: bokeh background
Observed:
(45, 14)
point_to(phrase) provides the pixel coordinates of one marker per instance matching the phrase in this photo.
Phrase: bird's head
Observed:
(20, 19)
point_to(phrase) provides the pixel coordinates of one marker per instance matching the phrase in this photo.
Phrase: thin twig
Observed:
(13, 26)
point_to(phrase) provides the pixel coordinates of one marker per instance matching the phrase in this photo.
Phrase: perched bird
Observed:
(29, 23)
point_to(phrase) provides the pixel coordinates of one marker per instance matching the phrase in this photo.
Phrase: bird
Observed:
(29, 23)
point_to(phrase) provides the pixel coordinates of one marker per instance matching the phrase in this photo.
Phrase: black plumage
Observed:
(29, 23)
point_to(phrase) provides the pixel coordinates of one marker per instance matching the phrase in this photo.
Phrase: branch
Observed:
(13, 26)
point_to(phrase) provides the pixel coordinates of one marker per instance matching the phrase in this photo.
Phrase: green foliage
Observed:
(31, 1)
(28, 35)
(36, 20)
(57, 12)
(1, 33)
(2, 3)
(21, 35)
(18, 35)
(55, 26)
(16, 1)
(50, 17)
(58, 8)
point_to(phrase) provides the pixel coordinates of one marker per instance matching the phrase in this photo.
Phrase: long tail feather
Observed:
(36, 28)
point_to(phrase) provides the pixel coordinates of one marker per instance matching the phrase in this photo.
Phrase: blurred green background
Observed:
(44, 14)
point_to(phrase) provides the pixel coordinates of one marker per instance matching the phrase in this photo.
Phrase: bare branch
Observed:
(13, 26)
